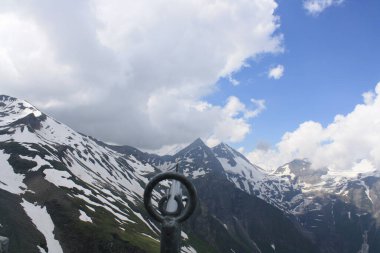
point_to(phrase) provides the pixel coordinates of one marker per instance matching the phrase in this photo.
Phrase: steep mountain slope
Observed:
(86, 192)
(230, 219)
(252, 179)
(235, 221)
(61, 191)
(342, 211)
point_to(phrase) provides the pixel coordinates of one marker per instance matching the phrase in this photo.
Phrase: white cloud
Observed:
(233, 125)
(351, 143)
(315, 7)
(260, 106)
(276, 72)
(369, 97)
(233, 81)
(134, 72)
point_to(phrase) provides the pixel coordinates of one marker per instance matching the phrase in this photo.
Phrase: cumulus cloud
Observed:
(134, 72)
(232, 125)
(315, 7)
(350, 144)
(276, 72)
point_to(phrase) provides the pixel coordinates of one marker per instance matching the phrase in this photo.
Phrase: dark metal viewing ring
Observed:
(190, 206)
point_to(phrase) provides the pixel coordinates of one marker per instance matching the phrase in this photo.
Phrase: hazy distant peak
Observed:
(198, 142)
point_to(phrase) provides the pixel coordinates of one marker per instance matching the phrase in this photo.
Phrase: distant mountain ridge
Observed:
(89, 195)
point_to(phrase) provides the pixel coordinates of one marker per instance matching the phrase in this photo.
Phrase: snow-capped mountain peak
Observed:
(235, 163)
(13, 109)
(300, 171)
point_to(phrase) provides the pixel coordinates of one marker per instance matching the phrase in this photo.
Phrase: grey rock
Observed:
(4, 243)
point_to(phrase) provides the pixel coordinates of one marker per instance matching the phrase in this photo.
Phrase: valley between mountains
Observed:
(65, 192)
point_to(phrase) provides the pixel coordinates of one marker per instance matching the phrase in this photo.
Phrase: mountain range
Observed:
(63, 191)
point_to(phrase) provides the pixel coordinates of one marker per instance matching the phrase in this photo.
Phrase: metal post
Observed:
(170, 236)
(172, 212)
(4, 243)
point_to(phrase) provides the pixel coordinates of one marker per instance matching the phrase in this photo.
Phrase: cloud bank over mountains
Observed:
(351, 143)
(136, 72)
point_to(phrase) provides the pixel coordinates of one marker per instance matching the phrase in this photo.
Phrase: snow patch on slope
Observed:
(14, 182)
(188, 249)
(44, 224)
(41, 249)
(61, 178)
(84, 217)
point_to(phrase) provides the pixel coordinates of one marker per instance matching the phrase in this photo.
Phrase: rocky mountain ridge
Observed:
(89, 195)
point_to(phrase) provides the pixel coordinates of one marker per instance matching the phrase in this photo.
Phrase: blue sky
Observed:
(329, 60)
